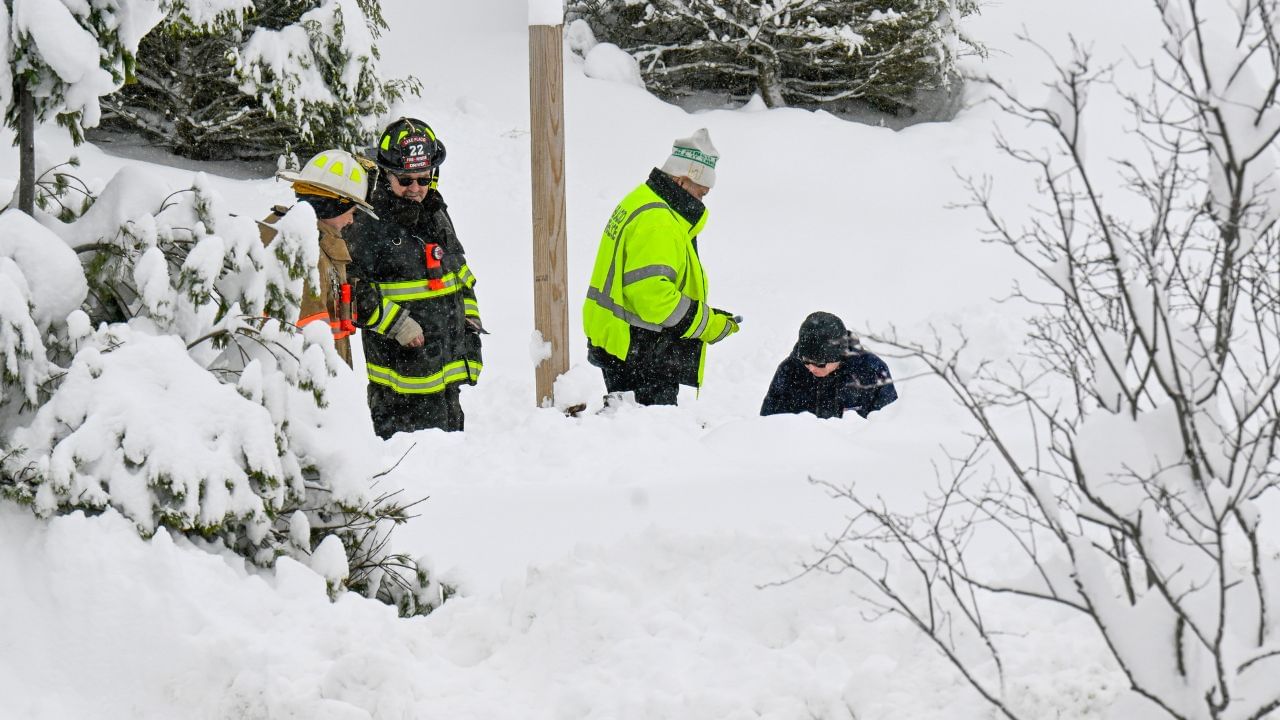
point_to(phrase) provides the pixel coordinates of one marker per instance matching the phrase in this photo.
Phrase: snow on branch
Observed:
(69, 54)
(791, 52)
(1125, 457)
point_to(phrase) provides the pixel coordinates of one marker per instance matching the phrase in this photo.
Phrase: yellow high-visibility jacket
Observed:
(647, 275)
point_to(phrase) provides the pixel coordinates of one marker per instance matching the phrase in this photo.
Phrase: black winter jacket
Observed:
(861, 383)
(391, 274)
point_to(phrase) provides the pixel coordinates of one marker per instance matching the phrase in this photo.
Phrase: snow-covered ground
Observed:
(621, 565)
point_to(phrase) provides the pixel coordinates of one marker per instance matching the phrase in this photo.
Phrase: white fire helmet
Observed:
(335, 171)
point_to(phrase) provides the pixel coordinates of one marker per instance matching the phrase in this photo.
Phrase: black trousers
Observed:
(650, 386)
(393, 412)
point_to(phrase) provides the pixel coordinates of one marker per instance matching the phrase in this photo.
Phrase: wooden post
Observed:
(550, 246)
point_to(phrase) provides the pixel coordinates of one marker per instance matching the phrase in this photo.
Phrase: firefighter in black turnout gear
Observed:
(414, 294)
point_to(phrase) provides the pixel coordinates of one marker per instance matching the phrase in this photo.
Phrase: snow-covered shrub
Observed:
(256, 78)
(1136, 437)
(40, 284)
(59, 192)
(807, 53)
(157, 379)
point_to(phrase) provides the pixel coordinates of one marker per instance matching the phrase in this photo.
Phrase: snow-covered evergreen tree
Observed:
(57, 57)
(792, 52)
(148, 371)
(67, 53)
(254, 78)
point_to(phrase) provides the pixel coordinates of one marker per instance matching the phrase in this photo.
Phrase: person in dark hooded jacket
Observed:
(827, 373)
(413, 291)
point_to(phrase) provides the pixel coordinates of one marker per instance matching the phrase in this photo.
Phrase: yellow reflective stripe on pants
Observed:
(454, 372)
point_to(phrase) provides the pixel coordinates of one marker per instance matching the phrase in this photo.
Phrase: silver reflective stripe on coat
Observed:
(702, 324)
(724, 333)
(613, 262)
(647, 272)
(627, 316)
(678, 314)
(603, 297)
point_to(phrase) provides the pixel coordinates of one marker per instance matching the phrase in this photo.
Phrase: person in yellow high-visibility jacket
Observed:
(646, 315)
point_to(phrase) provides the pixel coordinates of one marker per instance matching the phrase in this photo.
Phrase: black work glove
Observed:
(737, 319)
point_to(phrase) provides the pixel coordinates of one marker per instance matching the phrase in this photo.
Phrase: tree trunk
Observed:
(770, 82)
(26, 149)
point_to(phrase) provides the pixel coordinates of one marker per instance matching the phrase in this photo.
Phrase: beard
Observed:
(401, 211)
(404, 211)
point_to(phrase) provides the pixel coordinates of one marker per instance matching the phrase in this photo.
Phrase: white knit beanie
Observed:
(695, 158)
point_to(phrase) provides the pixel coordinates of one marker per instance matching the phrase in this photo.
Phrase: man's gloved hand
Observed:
(720, 325)
(407, 331)
(736, 318)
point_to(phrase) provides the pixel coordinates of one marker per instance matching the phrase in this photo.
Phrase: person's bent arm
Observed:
(871, 388)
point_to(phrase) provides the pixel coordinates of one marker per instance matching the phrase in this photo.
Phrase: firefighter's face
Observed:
(411, 186)
(341, 221)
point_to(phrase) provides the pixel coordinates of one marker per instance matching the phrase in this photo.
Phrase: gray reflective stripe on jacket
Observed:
(724, 332)
(702, 325)
(649, 271)
(631, 318)
(603, 298)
